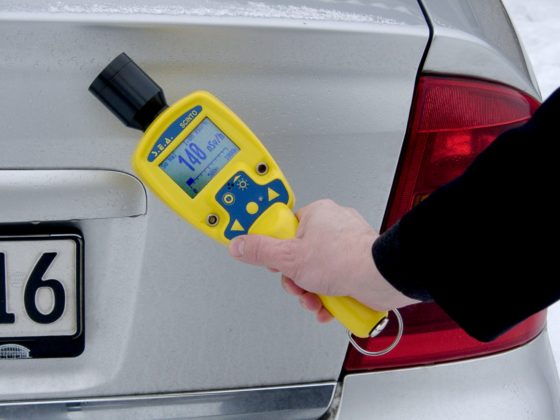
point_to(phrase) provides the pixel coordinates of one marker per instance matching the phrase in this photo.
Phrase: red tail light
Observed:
(453, 120)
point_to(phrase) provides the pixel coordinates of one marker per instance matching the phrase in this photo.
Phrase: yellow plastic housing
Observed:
(278, 220)
(251, 153)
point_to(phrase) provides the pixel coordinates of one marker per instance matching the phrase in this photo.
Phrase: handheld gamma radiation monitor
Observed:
(201, 160)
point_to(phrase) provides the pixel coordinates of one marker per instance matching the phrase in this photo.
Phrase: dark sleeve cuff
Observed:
(479, 246)
(389, 259)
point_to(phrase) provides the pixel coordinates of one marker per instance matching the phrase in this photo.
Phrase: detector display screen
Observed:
(198, 158)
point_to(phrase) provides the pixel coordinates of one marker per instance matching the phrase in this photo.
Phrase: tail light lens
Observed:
(453, 120)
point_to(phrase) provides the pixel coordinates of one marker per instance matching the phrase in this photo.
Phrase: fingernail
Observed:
(237, 247)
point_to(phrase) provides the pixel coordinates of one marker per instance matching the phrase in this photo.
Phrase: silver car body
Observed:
(174, 327)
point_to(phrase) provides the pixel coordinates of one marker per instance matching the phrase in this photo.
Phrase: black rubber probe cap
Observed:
(129, 93)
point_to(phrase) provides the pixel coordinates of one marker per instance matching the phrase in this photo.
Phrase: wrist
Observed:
(373, 289)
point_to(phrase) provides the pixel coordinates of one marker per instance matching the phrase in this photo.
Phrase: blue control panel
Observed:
(245, 201)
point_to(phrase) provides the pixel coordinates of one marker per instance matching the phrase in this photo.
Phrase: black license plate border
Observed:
(40, 347)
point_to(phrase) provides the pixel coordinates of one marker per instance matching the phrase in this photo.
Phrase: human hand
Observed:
(330, 255)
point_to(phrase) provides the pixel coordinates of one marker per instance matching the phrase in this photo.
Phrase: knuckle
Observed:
(290, 258)
(278, 255)
(352, 211)
(326, 202)
(260, 251)
(253, 249)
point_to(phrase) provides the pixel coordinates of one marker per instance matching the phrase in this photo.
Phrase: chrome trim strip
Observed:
(302, 401)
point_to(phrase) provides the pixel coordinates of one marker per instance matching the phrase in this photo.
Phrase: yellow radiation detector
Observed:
(201, 160)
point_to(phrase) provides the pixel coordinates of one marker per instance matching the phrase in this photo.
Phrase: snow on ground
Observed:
(538, 25)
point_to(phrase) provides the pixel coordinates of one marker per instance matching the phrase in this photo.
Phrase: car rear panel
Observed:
(474, 38)
(519, 384)
(327, 88)
(473, 42)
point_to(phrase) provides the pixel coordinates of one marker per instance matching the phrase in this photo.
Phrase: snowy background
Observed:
(538, 25)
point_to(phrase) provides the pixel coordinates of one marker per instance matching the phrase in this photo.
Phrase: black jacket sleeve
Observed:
(484, 247)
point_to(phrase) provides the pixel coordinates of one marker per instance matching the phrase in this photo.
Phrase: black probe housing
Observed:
(129, 93)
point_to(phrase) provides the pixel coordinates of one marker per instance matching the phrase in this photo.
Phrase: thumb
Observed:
(266, 251)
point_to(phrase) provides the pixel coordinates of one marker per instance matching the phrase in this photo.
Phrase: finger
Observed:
(276, 254)
(302, 212)
(272, 270)
(301, 226)
(324, 316)
(292, 288)
(311, 302)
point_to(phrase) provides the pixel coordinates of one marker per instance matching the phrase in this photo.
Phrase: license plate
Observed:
(41, 296)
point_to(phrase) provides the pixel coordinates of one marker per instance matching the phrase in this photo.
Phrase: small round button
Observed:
(252, 207)
(228, 198)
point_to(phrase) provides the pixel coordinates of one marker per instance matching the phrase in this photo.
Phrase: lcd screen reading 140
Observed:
(198, 158)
